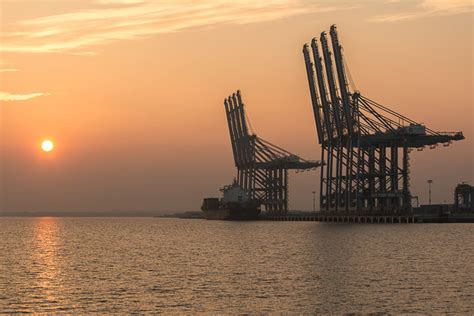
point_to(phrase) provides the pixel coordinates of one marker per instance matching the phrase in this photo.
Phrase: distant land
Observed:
(111, 213)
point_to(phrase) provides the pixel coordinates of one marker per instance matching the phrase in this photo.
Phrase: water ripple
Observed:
(144, 265)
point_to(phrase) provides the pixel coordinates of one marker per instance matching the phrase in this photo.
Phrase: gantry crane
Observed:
(361, 140)
(262, 167)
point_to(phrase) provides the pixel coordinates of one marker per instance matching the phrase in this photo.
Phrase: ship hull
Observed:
(250, 211)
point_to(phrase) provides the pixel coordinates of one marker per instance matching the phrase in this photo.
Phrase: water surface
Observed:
(171, 265)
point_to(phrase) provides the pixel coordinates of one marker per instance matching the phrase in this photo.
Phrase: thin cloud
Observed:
(5, 66)
(120, 1)
(81, 32)
(427, 8)
(6, 96)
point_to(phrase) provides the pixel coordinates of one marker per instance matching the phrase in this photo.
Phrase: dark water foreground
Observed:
(171, 265)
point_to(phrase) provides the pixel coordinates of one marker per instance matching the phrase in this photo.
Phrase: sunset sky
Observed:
(131, 92)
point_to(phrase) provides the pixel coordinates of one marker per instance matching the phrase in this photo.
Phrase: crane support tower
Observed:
(262, 167)
(365, 145)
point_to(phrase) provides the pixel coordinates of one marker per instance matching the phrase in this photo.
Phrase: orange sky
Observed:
(132, 90)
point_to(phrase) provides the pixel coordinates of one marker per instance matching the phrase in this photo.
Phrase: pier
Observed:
(341, 218)
(372, 219)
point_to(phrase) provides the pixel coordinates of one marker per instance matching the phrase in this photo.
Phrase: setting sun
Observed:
(47, 145)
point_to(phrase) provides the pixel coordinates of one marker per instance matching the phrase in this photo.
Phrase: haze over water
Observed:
(86, 265)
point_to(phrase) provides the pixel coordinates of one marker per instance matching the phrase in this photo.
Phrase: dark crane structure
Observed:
(262, 167)
(365, 145)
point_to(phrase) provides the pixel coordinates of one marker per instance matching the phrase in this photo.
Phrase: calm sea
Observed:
(88, 265)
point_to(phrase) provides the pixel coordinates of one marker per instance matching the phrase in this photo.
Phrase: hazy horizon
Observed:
(131, 92)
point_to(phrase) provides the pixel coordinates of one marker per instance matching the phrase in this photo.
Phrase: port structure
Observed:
(464, 198)
(262, 167)
(365, 146)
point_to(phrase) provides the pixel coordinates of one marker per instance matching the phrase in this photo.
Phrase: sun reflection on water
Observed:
(45, 266)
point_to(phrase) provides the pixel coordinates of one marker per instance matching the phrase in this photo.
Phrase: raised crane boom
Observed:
(332, 85)
(314, 97)
(322, 89)
(341, 75)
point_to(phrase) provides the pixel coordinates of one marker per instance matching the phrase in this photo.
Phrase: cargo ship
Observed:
(234, 205)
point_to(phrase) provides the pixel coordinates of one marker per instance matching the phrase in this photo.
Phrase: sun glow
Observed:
(47, 145)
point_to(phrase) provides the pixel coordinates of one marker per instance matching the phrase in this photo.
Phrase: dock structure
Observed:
(371, 219)
(262, 167)
(366, 219)
(365, 146)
